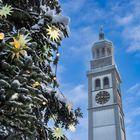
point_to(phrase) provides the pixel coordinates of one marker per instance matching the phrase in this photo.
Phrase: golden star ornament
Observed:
(5, 11)
(18, 45)
(53, 33)
(58, 133)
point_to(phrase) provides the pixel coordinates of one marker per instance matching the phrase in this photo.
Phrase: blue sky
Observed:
(122, 26)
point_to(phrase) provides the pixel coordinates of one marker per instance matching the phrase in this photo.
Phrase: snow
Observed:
(15, 103)
(23, 90)
(27, 98)
(43, 98)
(16, 82)
(60, 97)
(61, 19)
(15, 96)
(35, 27)
(47, 89)
(55, 18)
(49, 12)
(58, 94)
(41, 22)
(3, 130)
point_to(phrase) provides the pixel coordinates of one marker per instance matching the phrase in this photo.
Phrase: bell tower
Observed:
(105, 112)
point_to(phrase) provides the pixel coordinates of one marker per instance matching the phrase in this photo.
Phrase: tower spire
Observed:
(101, 34)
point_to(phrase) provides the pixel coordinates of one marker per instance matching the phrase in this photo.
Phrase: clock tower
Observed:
(105, 112)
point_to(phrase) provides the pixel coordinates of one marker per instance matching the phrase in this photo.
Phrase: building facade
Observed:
(105, 112)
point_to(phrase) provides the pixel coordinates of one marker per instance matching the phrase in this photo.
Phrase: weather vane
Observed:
(101, 33)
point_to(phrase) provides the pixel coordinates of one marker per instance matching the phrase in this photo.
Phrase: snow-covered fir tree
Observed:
(31, 32)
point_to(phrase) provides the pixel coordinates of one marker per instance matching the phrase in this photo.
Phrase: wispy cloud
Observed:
(135, 112)
(135, 89)
(78, 47)
(130, 24)
(132, 111)
(72, 6)
(132, 35)
(77, 94)
(124, 20)
(82, 40)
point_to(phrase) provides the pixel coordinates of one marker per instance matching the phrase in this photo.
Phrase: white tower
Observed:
(105, 113)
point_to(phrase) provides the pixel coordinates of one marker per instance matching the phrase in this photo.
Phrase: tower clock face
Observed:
(102, 97)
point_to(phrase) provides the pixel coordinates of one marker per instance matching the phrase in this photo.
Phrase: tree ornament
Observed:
(58, 133)
(18, 45)
(54, 78)
(44, 103)
(2, 36)
(72, 127)
(53, 33)
(28, 72)
(23, 40)
(5, 11)
(57, 54)
(36, 84)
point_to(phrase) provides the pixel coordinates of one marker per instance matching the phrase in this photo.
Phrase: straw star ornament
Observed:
(18, 45)
(5, 11)
(53, 33)
(58, 133)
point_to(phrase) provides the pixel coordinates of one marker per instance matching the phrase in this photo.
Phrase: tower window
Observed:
(97, 84)
(98, 53)
(103, 51)
(106, 82)
(109, 51)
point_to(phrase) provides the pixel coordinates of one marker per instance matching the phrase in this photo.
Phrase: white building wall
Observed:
(104, 133)
(103, 117)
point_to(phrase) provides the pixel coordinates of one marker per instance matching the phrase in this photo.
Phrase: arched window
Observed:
(97, 84)
(103, 51)
(106, 82)
(93, 54)
(109, 51)
(98, 53)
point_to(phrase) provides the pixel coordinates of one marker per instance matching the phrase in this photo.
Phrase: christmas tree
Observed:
(31, 32)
